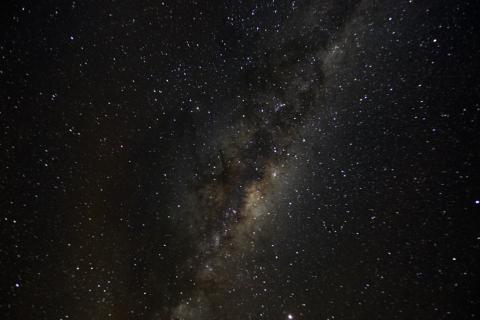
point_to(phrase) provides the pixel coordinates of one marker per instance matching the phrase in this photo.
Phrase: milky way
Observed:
(239, 198)
(299, 71)
(199, 160)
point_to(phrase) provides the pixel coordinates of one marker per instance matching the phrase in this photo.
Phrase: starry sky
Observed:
(204, 160)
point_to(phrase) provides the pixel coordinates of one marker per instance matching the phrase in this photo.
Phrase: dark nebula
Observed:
(239, 160)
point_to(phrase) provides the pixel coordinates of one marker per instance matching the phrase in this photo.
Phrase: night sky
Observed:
(204, 160)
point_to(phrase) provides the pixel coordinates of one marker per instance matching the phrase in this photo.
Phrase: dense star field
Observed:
(204, 160)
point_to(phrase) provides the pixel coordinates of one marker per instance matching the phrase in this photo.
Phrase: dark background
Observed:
(113, 112)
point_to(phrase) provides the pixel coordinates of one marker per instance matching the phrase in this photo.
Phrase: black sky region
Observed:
(203, 160)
